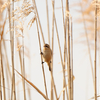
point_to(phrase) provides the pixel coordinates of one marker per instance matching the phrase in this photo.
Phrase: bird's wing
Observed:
(51, 52)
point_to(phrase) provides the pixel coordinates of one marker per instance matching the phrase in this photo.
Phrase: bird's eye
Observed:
(46, 46)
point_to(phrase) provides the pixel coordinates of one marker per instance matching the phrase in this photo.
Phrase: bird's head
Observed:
(46, 46)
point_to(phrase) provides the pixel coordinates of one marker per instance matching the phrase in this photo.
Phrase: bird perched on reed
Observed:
(47, 54)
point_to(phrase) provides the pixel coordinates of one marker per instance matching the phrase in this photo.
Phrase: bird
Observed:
(47, 55)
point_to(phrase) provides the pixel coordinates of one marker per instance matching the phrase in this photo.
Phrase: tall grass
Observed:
(69, 62)
(2, 67)
(42, 63)
(0, 74)
(95, 55)
(12, 54)
(39, 21)
(64, 23)
(48, 22)
(66, 57)
(72, 88)
(53, 7)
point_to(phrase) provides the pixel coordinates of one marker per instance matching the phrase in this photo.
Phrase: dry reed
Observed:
(39, 21)
(2, 67)
(72, 61)
(60, 50)
(23, 73)
(95, 55)
(42, 61)
(32, 85)
(7, 70)
(54, 87)
(0, 73)
(12, 54)
(0, 54)
(21, 66)
(64, 47)
(53, 7)
(68, 39)
(48, 22)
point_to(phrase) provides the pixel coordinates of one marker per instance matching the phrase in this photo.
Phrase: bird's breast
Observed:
(47, 55)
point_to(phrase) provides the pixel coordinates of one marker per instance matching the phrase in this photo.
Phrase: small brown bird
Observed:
(47, 54)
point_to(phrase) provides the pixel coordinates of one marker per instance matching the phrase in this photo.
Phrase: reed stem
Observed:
(48, 21)
(64, 48)
(12, 53)
(32, 85)
(39, 21)
(95, 54)
(0, 73)
(42, 61)
(22, 69)
(3, 79)
(69, 66)
(60, 51)
(71, 60)
(23, 72)
(53, 4)
(54, 86)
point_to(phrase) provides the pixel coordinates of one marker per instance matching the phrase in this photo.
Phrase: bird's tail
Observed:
(49, 66)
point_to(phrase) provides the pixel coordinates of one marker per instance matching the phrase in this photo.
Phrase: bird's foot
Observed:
(42, 62)
(41, 53)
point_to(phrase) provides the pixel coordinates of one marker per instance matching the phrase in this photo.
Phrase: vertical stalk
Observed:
(65, 45)
(0, 84)
(60, 51)
(23, 73)
(11, 32)
(64, 48)
(53, 3)
(3, 79)
(9, 13)
(42, 61)
(69, 69)
(71, 60)
(21, 66)
(12, 51)
(0, 73)
(98, 41)
(8, 78)
(2, 69)
(95, 54)
(29, 93)
(39, 21)
(48, 21)
(54, 86)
